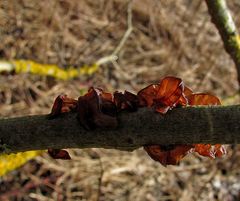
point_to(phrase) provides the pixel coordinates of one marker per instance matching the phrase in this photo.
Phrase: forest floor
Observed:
(168, 38)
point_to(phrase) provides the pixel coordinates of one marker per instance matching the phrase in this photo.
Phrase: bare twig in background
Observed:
(128, 32)
(222, 18)
(191, 125)
(114, 56)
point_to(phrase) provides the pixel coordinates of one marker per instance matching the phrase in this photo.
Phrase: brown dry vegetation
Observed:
(168, 38)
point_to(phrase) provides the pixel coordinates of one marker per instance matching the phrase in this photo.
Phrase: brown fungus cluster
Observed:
(98, 108)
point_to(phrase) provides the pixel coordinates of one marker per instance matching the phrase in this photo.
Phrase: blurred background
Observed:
(167, 38)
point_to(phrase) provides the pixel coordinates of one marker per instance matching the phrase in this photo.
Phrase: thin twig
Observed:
(114, 56)
(99, 193)
(128, 32)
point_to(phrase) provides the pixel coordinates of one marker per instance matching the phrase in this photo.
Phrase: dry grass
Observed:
(168, 37)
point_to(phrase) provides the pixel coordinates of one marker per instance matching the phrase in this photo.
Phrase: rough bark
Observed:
(216, 124)
(222, 18)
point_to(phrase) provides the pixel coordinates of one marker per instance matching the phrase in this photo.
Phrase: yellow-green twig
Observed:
(222, 18)
(9, 162)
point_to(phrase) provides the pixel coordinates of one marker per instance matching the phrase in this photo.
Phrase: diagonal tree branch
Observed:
(216, 124)
(222, 18)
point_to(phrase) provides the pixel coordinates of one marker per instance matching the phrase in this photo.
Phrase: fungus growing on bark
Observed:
(99, 109)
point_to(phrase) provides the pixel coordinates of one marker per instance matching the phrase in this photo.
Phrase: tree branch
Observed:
(222, 18)
(216, 124)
